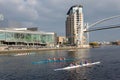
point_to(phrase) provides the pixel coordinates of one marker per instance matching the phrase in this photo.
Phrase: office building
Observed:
(74, 26)
(61, 40)
(27, 37)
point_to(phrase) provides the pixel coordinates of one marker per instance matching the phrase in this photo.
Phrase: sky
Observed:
(50, 15)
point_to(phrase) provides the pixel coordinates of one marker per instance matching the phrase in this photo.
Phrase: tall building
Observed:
(74, 26)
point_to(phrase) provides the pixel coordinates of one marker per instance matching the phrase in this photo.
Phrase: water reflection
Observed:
(79, 73)
(81, 54)
(46, 71)
(20, 68)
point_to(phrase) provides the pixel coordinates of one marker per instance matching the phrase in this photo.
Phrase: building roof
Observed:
(23, 30)
(73, 7)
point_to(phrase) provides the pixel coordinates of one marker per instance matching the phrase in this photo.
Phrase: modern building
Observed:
(74, 26)
(61, 39)
(27, 37)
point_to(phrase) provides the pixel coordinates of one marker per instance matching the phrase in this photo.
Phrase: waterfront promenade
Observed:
(39, 49)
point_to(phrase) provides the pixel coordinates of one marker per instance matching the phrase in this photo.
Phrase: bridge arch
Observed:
(103, 20)
(95, 23)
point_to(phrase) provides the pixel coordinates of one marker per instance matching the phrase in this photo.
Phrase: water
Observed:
(21, 67)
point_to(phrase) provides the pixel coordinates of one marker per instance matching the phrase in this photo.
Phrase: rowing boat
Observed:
(76, 66)
(52, 61)
(22, 54)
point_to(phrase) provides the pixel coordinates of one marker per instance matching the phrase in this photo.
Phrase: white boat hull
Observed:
(72, 67)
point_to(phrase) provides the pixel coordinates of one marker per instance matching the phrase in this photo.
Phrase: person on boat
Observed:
(76, 64)
(86, 62)
(64, 58)
(49, 59)
(60, 58)
(71, 65)
(80, 63)
(54, 59)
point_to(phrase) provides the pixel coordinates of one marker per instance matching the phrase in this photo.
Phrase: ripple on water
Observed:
(20, 68)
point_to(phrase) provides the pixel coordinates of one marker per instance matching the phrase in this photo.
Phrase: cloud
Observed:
(102, 9)
(18, 10)
(50, 15)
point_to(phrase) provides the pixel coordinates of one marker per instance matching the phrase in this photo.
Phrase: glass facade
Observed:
(2, 35)
(27, 37)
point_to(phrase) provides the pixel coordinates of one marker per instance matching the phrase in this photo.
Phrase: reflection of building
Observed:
(74, 26)
(23, 36)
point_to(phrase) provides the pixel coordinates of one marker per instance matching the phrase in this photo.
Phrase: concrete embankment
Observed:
(39, 49)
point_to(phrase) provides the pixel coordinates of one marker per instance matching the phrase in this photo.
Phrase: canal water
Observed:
(21, 67)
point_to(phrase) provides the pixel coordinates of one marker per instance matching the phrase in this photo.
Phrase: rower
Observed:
(60, 59)
(85, 61)
(80, 63)
(71, 64)
(76, 64)
(49, 59)
(54, 59)
(64, 58)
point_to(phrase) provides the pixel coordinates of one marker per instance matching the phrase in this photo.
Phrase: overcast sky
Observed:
(50, 15)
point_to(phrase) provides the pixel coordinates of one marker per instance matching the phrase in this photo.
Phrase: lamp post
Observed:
(1, 17)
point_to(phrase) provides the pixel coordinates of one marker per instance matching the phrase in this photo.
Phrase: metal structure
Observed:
(98, 22)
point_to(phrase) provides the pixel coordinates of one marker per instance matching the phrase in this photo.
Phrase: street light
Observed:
(1, 17)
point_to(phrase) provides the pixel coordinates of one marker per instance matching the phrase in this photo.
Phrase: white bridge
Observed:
(86, 30)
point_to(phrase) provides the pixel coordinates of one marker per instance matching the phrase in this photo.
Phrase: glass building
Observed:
(27, 37)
